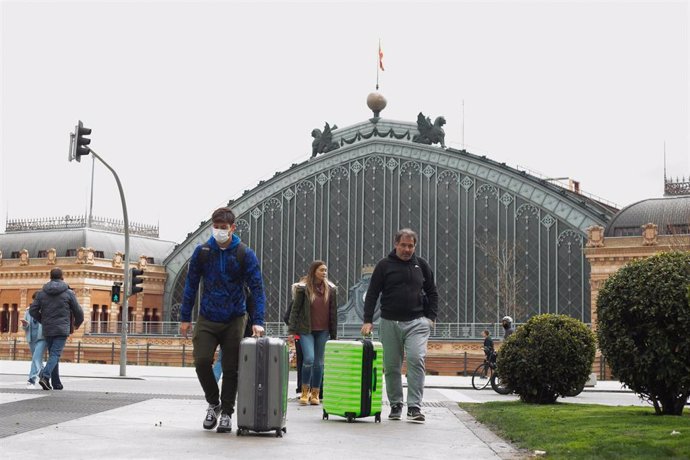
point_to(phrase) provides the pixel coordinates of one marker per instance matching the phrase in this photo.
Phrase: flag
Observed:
(380, 57)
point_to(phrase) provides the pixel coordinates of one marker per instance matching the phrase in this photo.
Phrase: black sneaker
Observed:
(396, 412)
(225, 425)
(415, 415)
(45, 383)
(211, 417)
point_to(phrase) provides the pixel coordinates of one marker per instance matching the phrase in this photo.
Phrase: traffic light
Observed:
(136, 279)
(115, 292)
(81, 141)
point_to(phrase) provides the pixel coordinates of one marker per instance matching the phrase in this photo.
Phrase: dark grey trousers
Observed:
(207, 336)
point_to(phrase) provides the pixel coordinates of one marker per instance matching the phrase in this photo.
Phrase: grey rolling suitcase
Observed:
(262, 385)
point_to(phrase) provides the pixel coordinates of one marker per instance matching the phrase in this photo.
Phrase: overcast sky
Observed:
(192, 103)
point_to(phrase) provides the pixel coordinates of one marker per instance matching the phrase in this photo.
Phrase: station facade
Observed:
(501, 241)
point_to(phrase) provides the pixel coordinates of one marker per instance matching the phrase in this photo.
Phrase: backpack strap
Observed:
(241, 251)
(204, 255)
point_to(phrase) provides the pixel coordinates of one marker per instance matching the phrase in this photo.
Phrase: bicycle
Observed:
(482, 375)
(485, 374)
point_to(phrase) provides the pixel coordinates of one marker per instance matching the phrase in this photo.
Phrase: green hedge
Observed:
(643, 328)
(547, 357)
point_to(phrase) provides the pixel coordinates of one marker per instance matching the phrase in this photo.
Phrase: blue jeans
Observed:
(313, 347)
(55, 381)
(37, 348)
(55, 346)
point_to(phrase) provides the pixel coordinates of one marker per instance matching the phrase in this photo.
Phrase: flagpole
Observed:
(462, 133)
(378, 60)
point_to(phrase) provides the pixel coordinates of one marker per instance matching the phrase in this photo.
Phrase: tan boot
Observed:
(304, 399)
(314, 397)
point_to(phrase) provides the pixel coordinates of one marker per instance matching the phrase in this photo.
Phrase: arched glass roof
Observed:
(480, 222)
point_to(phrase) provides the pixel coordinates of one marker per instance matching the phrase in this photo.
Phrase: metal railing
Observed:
(441, 331)
(180, 353)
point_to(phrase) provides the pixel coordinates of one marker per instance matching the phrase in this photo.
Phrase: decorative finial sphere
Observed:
(376, 102)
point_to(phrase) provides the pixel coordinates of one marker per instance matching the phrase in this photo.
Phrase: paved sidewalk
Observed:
(156, 412)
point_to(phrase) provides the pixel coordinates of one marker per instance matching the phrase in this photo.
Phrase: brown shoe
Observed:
(314, 397)
(304, 399)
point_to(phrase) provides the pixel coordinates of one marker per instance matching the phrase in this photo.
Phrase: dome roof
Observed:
(670, 214)
(71, 239)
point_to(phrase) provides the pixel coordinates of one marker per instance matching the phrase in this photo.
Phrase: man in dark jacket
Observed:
(508, 327)
(54, 307)
(409, 303)
(222, 313)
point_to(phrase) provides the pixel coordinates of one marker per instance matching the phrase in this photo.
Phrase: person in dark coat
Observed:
(409, 306)
(488, 345)
(508, 327)
(54, 307)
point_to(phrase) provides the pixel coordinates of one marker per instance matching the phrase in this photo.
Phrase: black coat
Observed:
(54, 307)
(406, 287)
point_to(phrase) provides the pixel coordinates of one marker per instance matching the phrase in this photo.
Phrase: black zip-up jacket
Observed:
(407, 290)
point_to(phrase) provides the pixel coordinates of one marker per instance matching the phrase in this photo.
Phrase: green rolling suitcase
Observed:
(353, 379)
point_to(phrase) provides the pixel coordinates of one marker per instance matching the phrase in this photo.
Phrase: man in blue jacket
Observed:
(222, 313)
(409, 302)
(54, 307)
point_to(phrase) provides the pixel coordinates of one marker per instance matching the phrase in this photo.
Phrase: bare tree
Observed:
(505, 282)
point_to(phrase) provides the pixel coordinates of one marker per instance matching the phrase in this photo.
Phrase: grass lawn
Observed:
(587, 431)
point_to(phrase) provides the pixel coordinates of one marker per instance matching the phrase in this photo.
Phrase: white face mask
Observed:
(221, 235)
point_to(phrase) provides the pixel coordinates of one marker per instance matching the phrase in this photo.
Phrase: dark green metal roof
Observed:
(670, 214)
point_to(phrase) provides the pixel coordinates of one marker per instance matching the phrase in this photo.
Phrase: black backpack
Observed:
(251, 303)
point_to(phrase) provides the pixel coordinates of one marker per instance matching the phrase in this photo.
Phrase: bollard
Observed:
(14, 350)
(112, 352)
(183, 353)
(78, 352)
(464, 365)
(148, 347)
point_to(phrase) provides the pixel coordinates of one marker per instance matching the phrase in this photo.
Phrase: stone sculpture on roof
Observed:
(52, 256)
(24, 257)
(323, 141)
(430, 133)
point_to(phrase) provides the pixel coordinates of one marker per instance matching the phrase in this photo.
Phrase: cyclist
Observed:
(488, 345)
(508, 326)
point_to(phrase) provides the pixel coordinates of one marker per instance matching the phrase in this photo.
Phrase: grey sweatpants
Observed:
(409, 338)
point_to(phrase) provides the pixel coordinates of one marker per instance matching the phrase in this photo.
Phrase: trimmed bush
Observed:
(643, 328)
(547, 357)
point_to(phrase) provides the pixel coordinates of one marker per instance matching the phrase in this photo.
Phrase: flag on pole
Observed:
(380, 57)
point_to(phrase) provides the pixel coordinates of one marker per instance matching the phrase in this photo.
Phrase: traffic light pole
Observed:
(125, 287)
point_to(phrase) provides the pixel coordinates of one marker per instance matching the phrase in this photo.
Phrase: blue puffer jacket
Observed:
(223, 294)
